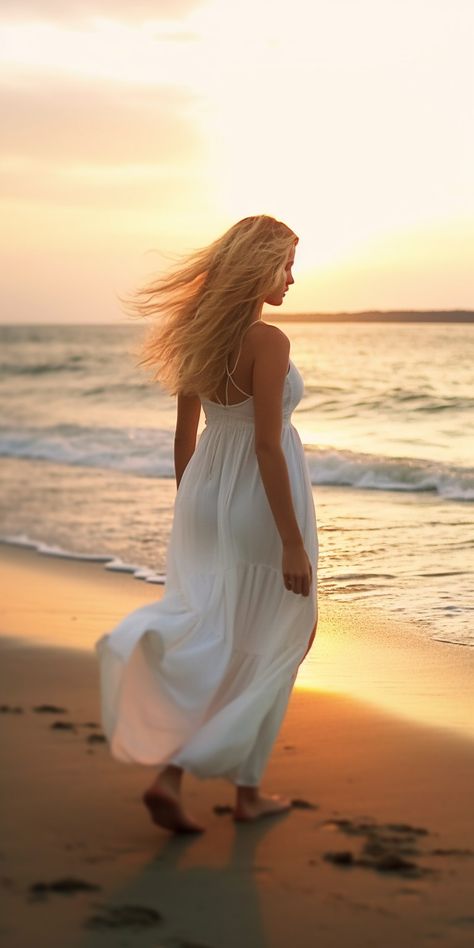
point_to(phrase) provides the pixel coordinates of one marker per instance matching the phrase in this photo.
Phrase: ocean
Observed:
(86, 455)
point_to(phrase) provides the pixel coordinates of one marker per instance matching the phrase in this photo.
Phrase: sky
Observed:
(134, 131)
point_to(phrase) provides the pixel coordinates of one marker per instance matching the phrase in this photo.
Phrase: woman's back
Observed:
(238, 380)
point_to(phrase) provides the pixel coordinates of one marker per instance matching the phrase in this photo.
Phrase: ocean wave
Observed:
(329, 399)
(112, 563)
(148, 452)
(372, 472)
(74, 363)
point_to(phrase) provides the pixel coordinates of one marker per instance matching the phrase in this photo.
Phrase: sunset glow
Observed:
(158, 129)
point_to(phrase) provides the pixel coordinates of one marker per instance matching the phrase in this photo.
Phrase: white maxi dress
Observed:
(202, 677)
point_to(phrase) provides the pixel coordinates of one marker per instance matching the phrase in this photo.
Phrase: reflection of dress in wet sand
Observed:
(202, 677)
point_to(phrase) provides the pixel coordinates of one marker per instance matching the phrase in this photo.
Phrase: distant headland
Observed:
(381, 316)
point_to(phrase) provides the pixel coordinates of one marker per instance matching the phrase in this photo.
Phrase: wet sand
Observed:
(377, 849)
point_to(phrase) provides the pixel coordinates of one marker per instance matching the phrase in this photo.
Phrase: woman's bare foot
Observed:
(164, 805)
(252, 805)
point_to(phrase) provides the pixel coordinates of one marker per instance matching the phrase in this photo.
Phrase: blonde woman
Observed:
(199, 681)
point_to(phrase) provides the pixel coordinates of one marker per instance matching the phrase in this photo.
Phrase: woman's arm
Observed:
(269, 373)
(187, 421)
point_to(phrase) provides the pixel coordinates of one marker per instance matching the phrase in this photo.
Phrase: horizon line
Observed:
(380, 316)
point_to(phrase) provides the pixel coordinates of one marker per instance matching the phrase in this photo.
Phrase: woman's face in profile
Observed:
(276, 296)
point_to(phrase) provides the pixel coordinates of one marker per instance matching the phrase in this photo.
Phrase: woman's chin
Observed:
(275, 301)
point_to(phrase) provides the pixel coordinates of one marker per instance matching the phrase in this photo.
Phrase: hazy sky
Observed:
(133, 130)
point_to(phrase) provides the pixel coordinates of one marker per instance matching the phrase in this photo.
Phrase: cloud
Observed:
(87, 142)
(97, 122)
(78, 141)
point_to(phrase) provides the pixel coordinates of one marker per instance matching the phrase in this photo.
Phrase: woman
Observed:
(200, 680)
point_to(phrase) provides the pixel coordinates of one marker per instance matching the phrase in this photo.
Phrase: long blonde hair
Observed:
(207, 300)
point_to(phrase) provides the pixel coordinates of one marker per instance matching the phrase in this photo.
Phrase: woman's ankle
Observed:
(170, 776)
(247, 794)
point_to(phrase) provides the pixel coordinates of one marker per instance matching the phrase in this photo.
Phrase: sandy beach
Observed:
(377, 849)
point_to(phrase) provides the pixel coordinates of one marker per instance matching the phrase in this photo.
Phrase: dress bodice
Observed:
(244, 411)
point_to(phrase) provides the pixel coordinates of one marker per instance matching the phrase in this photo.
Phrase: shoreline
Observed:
(377, 315)
(361, 654)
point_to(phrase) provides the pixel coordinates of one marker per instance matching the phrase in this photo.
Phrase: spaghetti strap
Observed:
(230, 374)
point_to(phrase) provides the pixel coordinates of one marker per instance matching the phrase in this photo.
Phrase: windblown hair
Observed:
(207, 300)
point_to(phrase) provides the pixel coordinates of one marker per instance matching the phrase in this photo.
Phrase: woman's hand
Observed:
(297, 569)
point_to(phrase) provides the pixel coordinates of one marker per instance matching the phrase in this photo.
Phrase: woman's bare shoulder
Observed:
(267, 332)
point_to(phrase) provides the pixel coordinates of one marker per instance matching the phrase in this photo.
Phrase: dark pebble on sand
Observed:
(10, 709)
(66, 886)
(343, 858)
(49, 709)
(376, 847)
(406, 828)
(388, 862)
(351, 826)
(222, 808)
(62, 726)
(136, 917)
(379, 831)
(386, 846)
(391, 862)
(303, 804)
